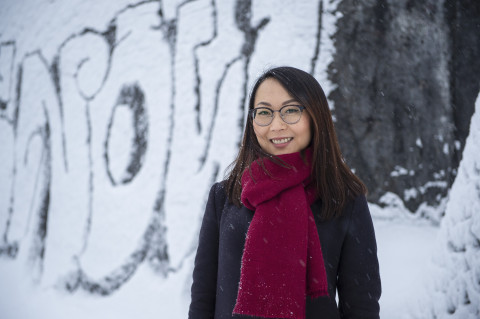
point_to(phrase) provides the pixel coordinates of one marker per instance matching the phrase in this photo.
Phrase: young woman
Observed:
(290, 227)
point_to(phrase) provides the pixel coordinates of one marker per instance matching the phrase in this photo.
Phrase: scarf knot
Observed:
(282, 262)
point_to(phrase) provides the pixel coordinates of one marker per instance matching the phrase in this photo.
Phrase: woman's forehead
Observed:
(271, 92)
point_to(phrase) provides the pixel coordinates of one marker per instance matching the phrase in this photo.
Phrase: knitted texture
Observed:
(282, 261)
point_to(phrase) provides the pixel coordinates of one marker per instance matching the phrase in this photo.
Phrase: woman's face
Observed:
(278, 137)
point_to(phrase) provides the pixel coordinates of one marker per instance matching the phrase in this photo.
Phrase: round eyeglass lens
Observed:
(291, 114)
(263, 116)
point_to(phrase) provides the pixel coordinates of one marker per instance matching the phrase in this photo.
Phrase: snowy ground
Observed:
(404, 249)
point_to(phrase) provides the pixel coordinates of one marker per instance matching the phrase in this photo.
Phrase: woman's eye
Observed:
(292, 110)
(263, 113)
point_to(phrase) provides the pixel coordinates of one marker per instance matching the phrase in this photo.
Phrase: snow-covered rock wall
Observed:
(116, 117)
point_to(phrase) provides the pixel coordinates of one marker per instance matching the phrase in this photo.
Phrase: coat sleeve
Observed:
(358, 281)
(203, 292)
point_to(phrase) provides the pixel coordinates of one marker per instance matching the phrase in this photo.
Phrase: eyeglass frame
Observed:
(252, 112)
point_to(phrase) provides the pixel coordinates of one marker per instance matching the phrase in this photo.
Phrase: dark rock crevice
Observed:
(243, 15)
(463, 19)
(198, 80)
(318, 37)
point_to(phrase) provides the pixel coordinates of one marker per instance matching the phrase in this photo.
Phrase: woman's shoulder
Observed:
(218, 189)
(357, 212)
(352, 204)
(218, 194)
(360, 201)
(356, 202)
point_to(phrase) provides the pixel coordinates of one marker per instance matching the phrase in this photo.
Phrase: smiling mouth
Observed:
(281, 140)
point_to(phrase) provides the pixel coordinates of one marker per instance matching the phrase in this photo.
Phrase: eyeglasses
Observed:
(290, 114)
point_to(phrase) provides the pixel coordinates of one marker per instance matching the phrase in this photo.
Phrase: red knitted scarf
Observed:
(282, 261)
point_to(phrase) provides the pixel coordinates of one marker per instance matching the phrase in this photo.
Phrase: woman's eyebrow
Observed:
(284, 103)
(264, 103)
(289, 101)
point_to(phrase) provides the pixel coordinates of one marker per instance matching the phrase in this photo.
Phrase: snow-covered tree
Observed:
(456, 277)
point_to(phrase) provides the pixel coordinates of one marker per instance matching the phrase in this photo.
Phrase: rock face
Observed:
(407, 79)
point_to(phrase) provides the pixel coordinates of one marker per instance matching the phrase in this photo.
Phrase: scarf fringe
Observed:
(257, 315)
(318, 294)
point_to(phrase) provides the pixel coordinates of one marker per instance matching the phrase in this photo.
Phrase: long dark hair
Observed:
(333, 179)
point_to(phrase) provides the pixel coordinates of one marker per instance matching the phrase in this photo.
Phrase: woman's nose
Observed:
(277, 122)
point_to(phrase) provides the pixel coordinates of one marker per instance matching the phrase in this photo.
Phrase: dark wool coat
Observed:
(349, 251)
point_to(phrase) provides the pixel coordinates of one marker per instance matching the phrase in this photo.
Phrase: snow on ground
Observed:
(404, 251)
(145, 296)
